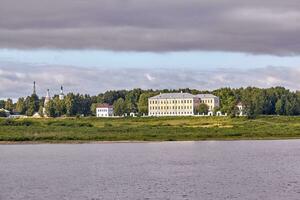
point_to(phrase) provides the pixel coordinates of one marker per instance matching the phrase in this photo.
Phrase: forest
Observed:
(257, 101)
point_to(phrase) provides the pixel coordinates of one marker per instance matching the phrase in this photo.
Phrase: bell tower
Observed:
(61, 95)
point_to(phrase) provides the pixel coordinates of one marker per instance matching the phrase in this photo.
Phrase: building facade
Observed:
(180, 104)
(104, 110)
(172, 104)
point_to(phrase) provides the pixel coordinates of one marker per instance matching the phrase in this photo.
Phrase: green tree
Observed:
(202, 108)
(32, 104)
(143, 103)
(119, 107)
(9, 105)
(50, 109)
(21, 106)
(70, 105)
(3, 113)
(41, 111)
(2, 104)
(279, 107)
(93, 108)
(59, 106)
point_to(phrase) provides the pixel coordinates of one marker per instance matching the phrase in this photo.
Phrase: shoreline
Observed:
(137, 141)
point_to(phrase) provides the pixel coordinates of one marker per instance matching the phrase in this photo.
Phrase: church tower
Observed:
(34, 89)
(47, 98)
(61, 95)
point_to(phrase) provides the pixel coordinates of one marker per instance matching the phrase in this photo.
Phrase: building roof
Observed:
(173, 96)
(203, 96)
(104, 105)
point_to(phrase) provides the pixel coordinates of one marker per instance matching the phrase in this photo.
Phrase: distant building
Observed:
(210, 100)
(172, 104)
(47, 99)
(104, 110)
(61, 95)
(180, 104)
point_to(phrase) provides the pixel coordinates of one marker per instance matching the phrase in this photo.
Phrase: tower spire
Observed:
(34, 89)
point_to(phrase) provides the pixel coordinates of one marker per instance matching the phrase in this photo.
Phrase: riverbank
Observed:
(89, 130)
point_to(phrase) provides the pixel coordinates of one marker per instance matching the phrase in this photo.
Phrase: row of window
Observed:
(169, 107)
(207, 101)
(104, 115)
(102, 110)
(170, 113)
(169, 101)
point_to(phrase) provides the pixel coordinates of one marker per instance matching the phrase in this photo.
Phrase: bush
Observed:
(10, 122)
(3, 114)
(69, 124)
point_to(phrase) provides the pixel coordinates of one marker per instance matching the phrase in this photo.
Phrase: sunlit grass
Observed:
(149, 129)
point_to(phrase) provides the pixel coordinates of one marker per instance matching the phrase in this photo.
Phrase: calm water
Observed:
(264, 170)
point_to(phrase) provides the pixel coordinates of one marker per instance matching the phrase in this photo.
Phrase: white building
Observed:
(47, 99)
(104, 110)
(180, 104)
(210, 100)
(172, 104)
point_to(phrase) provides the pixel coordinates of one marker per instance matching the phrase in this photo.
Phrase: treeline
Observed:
(256, 101)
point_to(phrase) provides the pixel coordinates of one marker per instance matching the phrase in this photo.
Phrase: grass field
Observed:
(149, 129)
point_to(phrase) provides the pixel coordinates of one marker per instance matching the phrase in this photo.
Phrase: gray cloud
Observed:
(259, 27)
(16, 80)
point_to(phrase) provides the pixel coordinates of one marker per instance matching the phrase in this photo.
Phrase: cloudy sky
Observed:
(97, 45)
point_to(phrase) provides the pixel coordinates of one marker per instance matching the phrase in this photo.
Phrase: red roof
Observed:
(104, 105)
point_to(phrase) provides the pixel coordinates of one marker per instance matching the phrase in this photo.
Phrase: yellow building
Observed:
(179, 104)
(172, 104)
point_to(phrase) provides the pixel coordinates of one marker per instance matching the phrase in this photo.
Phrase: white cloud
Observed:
(149, 77)
(16, 79)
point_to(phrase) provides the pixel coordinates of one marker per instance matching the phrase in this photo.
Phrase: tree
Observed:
(21, 107)
(9, 105)
(202, 108)
(70, 104)
(32, 104)
(130, 102)
(41, 111)
(2, 104)
(50, 109)
(93, 108)
(59, 106)
(143, 103)
(279, 107)
(119, 107)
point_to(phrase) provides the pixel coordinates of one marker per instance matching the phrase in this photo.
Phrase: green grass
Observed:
(149, 129)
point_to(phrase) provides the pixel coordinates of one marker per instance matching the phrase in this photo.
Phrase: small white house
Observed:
(104, 110)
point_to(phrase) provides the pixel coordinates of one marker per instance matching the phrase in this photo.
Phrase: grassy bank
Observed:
(149, 129)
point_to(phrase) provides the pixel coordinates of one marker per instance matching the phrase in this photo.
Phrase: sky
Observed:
(98, 45)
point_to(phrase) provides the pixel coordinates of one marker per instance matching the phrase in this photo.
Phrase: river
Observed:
(246, 170)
